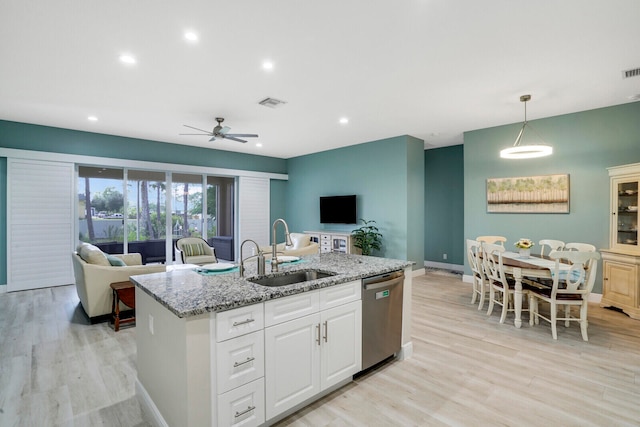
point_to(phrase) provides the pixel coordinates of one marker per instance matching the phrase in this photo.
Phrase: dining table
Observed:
(534, 266)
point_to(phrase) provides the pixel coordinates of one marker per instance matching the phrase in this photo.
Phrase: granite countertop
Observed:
(187, 293)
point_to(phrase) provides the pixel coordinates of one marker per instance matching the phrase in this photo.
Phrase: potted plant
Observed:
(524, 247)
(367, 237)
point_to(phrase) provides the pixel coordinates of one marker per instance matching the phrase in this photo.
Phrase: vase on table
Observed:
(525, 253)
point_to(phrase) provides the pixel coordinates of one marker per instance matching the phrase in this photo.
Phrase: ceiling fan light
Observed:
(526, 151)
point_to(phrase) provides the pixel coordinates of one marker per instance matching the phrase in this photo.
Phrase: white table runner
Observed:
(545, 263)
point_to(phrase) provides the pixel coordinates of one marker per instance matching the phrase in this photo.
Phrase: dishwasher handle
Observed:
(386, 284)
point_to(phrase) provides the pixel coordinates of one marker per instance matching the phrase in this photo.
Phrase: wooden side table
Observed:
(124, 292)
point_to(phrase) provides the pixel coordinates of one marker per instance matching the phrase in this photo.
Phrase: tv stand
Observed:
(334, 241)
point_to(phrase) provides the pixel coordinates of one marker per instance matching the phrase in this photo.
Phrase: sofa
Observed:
(302, 245)
(94, 271)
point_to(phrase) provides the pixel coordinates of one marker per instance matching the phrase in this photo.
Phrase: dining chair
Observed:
(501, 287)
(570, 288)
(581, 247)
(492, 239)
(480, 286)
(553, 245)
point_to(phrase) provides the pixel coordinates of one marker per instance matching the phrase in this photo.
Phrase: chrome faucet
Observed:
(260, 259)
(274, 252)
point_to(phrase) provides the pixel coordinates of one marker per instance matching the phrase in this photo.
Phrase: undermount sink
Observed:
(289, 278)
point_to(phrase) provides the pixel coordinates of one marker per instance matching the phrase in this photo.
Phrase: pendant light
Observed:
(518, 151)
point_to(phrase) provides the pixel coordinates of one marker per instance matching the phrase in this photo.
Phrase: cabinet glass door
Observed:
(627, 227)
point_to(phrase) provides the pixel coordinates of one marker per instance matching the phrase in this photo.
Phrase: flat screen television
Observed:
(338, 210)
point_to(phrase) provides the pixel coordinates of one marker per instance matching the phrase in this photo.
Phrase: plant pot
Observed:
(525, 253)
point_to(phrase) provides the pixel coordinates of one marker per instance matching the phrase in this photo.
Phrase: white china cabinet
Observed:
(621, 262)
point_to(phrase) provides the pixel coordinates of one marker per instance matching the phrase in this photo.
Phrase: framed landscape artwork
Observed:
(529, 194)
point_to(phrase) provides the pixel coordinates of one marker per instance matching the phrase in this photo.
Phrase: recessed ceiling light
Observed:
(344, 121)
(267, 65)
(258, 144)
(127, 59)
(92, 118)
(191, 36)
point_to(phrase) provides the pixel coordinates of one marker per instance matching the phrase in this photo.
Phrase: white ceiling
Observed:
(427, 68)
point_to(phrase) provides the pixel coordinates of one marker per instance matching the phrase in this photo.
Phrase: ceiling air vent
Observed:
(634, 72)
(272, 102)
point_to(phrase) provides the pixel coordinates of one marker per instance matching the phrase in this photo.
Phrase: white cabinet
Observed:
(625, 181)
(243, 406)
(621, 262)
(333, 241)
(292, 361)
(621, 282)
(307, 354)
(341, 346)
(238, 369)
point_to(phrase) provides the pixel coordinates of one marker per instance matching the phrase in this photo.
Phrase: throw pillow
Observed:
(115, 261)
(299, 240)
(194, 249)
(93, 255)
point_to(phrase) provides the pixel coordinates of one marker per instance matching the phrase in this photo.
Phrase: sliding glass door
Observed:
(101, 207)
(146, 214)
(134, 218)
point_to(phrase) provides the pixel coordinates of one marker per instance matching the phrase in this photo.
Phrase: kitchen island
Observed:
(218, 350)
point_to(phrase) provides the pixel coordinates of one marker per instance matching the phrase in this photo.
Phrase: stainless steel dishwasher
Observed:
(381, 317)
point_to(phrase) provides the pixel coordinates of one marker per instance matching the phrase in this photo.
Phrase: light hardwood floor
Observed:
(466, 370)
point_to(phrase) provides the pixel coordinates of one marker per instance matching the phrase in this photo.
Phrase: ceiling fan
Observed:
(221, 132)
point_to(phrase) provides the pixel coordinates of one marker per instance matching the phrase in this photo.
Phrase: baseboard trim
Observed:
(406, 351)
(595, 297)
(3, 289)
(150, 411)
(444, 266)
(418, 272)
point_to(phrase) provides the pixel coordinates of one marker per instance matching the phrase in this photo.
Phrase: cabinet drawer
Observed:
(242, 406)
(325, 238)
(239, 321)
(340, 294)
(292, 307)
(240, 361)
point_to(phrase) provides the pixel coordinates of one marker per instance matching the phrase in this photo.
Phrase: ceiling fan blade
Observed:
(213, 138)
(234, 139)
(243, 135)
(201, 134)
(224, 130)
(201, 130)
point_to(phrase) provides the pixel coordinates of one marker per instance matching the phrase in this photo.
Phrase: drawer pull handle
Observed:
(249, 359)
(244, 322)
(318, 331)
(249, 409)
(326, 331)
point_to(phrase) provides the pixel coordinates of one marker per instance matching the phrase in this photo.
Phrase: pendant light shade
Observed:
(518, 151)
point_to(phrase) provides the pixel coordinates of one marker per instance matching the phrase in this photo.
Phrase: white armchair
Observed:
(94, 273)
(194, 250)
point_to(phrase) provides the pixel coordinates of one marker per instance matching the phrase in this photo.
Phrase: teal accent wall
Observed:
(3, 220)
(385, 176)
(25, 136)
(444, 205)
(585, 144)
(56, 140)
